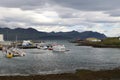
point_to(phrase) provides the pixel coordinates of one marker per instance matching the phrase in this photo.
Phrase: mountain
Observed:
(88, 34)
(78, 35)
(32, 34)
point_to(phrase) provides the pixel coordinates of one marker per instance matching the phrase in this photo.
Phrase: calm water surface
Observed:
(39, 61)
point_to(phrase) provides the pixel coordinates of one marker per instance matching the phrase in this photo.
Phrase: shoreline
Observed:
(99, 46)
(113, 42)
(95, 44)
(78, 75)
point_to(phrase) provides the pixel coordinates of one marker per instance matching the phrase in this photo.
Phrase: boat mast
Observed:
(16, 42)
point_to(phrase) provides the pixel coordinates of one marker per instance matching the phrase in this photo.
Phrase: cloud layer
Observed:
(62, 15)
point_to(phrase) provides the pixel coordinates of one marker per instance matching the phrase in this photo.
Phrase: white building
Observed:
(2, 42)
(93, 39)
(1, 37)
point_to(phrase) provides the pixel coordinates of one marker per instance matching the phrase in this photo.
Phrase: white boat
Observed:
(13, 52)
(17, 52)
(42, 46)
(26, 43)
(59, 48)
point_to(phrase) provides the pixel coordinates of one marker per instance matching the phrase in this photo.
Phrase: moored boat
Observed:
(59, 48)
(13, 52)
(17, 52)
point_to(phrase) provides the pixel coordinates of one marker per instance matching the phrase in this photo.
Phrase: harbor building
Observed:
(1, 37)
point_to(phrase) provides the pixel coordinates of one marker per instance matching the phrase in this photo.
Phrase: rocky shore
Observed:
(78, 75)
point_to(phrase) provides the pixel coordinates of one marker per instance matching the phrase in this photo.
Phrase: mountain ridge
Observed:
(33, 34)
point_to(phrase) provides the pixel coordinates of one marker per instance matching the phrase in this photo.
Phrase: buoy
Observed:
(9, 55)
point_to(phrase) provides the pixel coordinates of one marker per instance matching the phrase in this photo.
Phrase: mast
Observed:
(16, 42)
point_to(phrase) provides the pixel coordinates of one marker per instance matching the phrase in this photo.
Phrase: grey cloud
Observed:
(105, 21)
(94, 5)
(67, 15)
(25, 4)
(74, 5)
(115, 13)
(4, 24)
(66, 12)
(90, 4)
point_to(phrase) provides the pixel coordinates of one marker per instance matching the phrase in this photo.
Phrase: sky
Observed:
(62, 15)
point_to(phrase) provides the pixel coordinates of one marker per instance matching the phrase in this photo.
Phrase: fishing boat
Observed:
(17, 52)
(59, 48)
(13, 51)
(44, 46)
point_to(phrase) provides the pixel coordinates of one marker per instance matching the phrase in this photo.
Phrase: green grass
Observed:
(108, 41)
(111, 41)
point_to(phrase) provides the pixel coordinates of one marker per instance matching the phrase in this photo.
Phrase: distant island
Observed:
(33, 34)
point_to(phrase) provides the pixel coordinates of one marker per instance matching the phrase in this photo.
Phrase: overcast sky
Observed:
(62, 15)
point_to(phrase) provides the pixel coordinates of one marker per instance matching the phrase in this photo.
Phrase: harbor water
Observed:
(39, 61)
